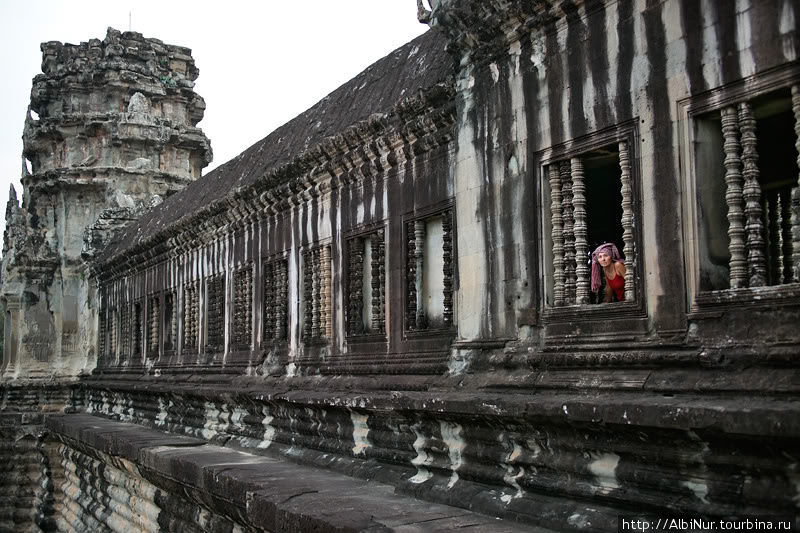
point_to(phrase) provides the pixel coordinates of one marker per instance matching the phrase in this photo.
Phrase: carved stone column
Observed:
(447, 266)
(308, 294)
(581, 245)
(378, 266)
(101, 332)
(569, 235)
(556, 234)
(281, 304)
(411, 277)
(419, 254)
(774, 238)
(734, 198)
(629, 248)
(326, 324)
(315, 293)
(756, 260)
(355, 291)
(785, 255)
(795, 212)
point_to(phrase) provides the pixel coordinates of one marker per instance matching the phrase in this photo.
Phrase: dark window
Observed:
(746, 175)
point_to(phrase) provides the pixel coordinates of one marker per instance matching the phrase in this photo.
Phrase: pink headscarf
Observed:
(611, 249)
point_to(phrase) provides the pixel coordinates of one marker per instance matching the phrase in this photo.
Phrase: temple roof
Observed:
(417, 65)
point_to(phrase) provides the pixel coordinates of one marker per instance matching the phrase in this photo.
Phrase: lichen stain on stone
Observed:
(361, 441)
(603, 466)
(423, 458)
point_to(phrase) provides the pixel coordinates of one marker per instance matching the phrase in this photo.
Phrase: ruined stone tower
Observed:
(110, 131)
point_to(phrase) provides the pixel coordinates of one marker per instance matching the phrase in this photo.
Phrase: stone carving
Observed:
(355, 324)
(154, 310)
(581, 245)
(317, 293)
(626, 191)
(447, 266)
(785, 256)
(378, 282)
(556, 233)
(215, 340)
(326, 324)
(276, 300)
(125, 331)
(243, 307)
(733, 197)
(411, 277)
(137, 329)
(569, 233)
(102, 330)
(191, 312)
(113, 333)
(756, 261)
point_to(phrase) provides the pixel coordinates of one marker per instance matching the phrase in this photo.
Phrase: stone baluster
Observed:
(756, 260)
(411, 277)
(795, 209)
(734, 198)
(378, 324)
(785, 224)
(268, 317)
(569, 235)
(580, 230)
(326, 322)
(282, 301)
(419, 253)
(774, 238)
(315, 293)
(629, 246)
(447, 266)
(556, 234)
(356, 291)
(113, 332)
(101, 333)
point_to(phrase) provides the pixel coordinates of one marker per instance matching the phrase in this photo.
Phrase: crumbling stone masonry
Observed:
(379, 317)
(109, 133)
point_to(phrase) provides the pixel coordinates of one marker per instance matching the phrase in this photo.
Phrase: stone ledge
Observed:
(741, 414)
(268, 493)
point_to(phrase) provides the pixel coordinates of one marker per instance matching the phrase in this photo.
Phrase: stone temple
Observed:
(385, 315)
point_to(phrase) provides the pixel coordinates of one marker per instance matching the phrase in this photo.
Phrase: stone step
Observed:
(264, 492)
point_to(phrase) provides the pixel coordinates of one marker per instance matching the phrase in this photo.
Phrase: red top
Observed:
(618, 286)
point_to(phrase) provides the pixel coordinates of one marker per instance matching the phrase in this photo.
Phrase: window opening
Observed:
(243, 307)
(366, 284)
(215, 316)
(747, 192)
(125, 333)
(276, 300)
(190, 317)
(317, 323)
(429, 272)
(592, 205)
(137, 328)
(154, 306)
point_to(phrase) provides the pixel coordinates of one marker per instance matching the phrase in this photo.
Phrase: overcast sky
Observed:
(261, 63)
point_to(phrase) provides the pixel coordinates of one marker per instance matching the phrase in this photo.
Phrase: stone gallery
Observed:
(536, 270)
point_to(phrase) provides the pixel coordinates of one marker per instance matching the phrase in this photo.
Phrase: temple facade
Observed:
(386, 314)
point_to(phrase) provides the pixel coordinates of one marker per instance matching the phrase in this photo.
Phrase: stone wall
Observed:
(395, 287)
